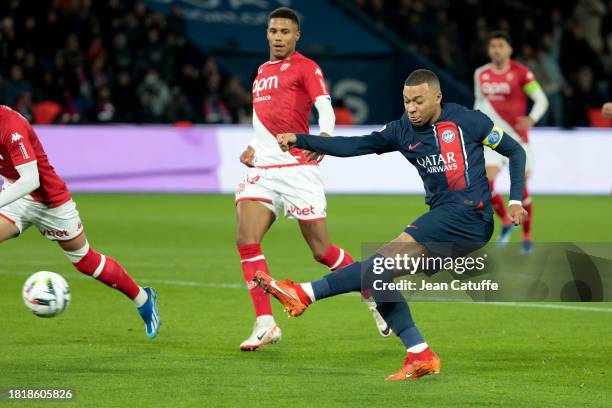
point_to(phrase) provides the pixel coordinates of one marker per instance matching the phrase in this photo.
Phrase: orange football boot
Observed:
(288, 293)
(417, 365)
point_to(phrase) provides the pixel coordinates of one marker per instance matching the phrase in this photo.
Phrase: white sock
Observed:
(265, 320)
(307, 287)
(141, 298)
(418, 348)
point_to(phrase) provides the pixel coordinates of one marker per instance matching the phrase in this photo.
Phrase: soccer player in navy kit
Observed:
(445, 143)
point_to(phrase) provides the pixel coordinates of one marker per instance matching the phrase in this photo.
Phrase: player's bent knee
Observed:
(8, 230)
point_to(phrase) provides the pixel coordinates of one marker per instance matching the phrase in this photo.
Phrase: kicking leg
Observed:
(295, 298)
(317, 237)
(108, 271)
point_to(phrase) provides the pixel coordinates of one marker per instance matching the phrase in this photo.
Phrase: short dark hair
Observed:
(422, 76)
(285, 12)
(498, 34)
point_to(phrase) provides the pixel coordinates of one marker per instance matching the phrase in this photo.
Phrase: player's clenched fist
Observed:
(517, 214)
(606, 110)
(286, 141)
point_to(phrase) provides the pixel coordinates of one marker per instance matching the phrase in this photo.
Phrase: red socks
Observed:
(107, 270)
(497, 202)
(253, 260)
(529, 208)
(335, 258)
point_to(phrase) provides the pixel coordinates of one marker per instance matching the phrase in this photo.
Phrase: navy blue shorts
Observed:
(452, 229)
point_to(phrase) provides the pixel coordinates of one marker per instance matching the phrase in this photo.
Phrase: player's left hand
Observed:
(606, 110)
(524, 123)
(517, 214)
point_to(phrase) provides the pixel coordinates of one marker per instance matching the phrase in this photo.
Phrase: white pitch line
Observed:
(219, 285)
(548, 306)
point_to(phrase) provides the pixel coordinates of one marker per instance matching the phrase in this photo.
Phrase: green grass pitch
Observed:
(184, 246)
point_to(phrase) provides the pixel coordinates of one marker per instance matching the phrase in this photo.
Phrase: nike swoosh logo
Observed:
(413, 146)
(280, 290)
(262, 335)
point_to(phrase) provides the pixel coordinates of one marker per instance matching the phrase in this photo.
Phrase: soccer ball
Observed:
(46, 294)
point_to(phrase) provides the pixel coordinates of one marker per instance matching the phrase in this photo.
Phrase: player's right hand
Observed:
(248, 156)
(606, 110)
(286, 141)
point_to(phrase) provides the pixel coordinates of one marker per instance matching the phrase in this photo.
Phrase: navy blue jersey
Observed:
(448, 154)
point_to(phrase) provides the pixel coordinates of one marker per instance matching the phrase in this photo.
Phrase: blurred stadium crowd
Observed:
(85, 61)
(567, 44)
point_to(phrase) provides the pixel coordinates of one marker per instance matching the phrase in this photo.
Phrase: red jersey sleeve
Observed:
(17, 142)
(312, 77)
(526, 76)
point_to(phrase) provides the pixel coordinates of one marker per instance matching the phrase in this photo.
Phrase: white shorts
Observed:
(298, 190)
(492, 158)
(57, 224)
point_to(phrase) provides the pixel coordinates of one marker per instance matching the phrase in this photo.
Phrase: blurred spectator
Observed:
(17, 85)
(23, 105)
(121, 55)
(583, 96)
(154, 94)
(214, 108)
(549, 75)
(155, 54)
(124, 98)
(589, 15)
(5, 98)
(105, 110)
(238, 101)
(72, 50)
(96, 50)
(180, 108)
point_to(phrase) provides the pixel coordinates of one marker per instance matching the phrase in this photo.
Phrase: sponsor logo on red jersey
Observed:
(301, 211)
(264, 84)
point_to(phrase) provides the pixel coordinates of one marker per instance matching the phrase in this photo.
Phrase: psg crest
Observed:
(448, 136)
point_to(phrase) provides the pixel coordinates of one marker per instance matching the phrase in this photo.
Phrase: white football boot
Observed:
(265, 331)
(381, 325)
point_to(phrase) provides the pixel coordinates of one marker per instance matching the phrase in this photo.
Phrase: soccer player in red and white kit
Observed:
(33, 194)
(501, 89)
(284, 91)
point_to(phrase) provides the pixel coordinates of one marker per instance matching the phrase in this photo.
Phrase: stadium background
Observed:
(161, 88)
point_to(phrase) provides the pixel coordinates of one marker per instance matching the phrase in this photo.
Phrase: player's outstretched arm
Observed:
(27, 182)
(340, 146)
(510, 148)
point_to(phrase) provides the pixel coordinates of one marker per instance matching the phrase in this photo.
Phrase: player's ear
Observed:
(438, 97)
(298, 34)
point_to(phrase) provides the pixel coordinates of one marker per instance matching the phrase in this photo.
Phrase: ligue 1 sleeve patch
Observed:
(494, 137)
